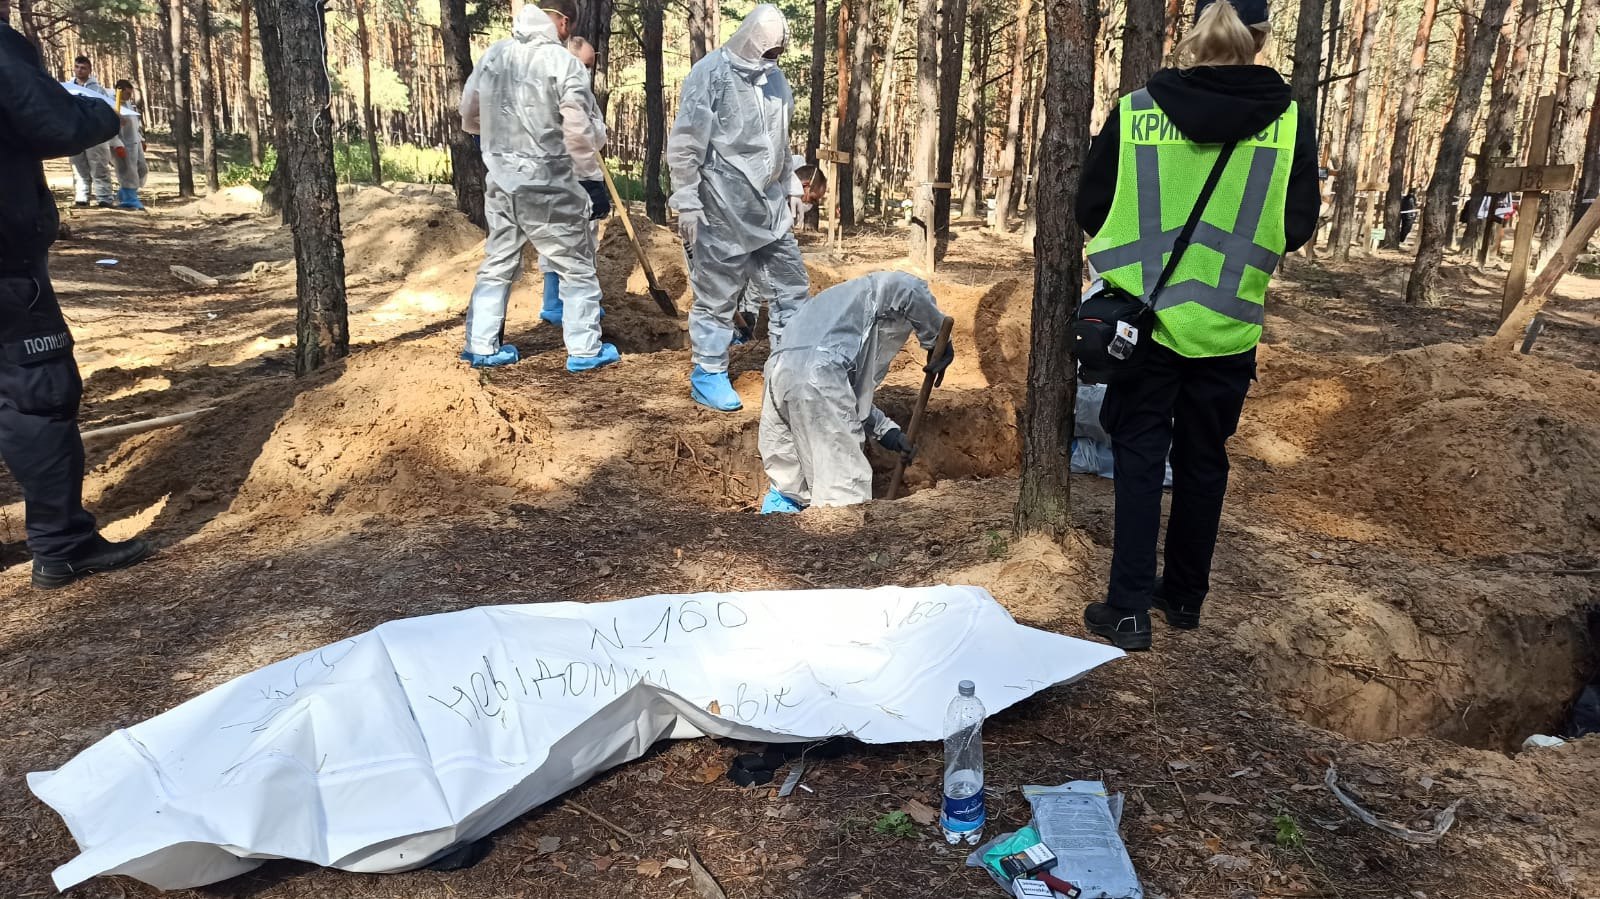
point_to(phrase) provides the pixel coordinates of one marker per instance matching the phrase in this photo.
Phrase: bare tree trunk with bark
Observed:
(977, 115)
(876, 139)
(594, 25)
(467, 171)
(1009, 157)
(1589, 180)
(952, 28)
(923, 239)
(699, 21)
(177, 53)
(1568, 142)
(293, 36)
(858, 118)
(655, 111)
(1044, 501)
(819, 73)
(208, 97)
(1404, 119)
(369, 122)
(1142, 40)
(1510, 68)
(1345, 230)
(1439, 212)
(252, 118)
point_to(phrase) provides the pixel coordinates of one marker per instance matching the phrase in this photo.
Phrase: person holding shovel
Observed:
(817, 410)
(731, 176)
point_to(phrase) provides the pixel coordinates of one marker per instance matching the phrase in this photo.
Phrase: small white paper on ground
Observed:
(383, 751)
(105, 262)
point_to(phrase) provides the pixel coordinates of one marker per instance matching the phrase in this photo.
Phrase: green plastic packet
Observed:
(1008, 845)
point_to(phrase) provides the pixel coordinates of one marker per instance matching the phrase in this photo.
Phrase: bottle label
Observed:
(967, 813)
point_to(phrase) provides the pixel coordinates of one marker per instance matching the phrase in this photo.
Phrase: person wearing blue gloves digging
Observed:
(530, 101)
(729, 157)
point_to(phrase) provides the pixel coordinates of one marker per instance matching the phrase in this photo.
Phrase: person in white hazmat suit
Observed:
(91, 169)
(132, 168)
(530, 101)
(729, 157)
(817, 410)
(551, 310)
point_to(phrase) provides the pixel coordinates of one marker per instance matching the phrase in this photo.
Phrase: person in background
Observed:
(807, 188)
(39, 384)
(551, 311)
(91, 169)
(1143, 175)
(132, 168)
(1408, 214)
(530, 100)
(817, 409)
(729, 157)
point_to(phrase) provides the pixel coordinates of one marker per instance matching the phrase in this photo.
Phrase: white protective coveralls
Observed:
(729, 157)
(817, 409)
(530, 100)
(91, 169)
(132, 168)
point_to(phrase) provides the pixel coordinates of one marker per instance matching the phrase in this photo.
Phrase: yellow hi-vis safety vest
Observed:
(1214, 303)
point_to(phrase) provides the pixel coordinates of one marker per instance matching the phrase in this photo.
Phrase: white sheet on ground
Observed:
(383, 751)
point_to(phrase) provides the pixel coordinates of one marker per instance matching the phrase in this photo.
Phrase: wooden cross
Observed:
(1534, 180)
(832, 160)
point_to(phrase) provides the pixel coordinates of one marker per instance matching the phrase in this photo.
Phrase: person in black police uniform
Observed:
(39, 383)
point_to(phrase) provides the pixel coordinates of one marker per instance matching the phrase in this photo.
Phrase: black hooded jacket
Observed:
(1212, 105)
(39, 120)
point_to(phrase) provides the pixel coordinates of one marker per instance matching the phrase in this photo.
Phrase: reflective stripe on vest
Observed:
(1211, 306)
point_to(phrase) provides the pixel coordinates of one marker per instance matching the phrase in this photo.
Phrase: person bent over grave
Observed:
(39, 384)
(817, 410)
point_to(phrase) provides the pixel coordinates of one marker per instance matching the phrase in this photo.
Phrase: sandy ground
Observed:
(1388, 596)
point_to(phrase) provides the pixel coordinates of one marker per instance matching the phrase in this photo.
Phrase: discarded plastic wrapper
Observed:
(1078, 821)
(384, 751)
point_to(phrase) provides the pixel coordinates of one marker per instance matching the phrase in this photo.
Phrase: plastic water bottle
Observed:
(964, 813)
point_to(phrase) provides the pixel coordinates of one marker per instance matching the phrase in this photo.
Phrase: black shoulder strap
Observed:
(1187, 234)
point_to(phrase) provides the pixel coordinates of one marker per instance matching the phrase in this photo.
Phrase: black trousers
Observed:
(39, 394)
(1190, 406)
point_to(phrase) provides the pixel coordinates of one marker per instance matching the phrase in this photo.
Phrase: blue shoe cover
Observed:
(552, 299)
(128, 198)
(776, 502)
(713, 390)
(607, 355)
(506, 355)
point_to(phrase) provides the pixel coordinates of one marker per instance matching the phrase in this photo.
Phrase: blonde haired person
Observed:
(1142, 180)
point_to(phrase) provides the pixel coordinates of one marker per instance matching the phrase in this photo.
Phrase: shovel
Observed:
(915, 429)
(656, 293)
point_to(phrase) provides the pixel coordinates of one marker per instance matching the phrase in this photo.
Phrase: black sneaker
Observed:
(1122, 628)
(1181, 615)
(98, 555)
(80, 204)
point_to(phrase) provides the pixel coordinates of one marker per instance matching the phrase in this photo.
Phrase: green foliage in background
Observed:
(352, 162)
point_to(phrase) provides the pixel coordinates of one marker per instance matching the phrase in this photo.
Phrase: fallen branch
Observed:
(585, 810)
(139, 427)
(1441, 823)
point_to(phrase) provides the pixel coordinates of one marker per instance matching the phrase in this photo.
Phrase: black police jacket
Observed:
(39, 120)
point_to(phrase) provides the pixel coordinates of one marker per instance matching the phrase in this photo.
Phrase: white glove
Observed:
(689, 222)
(797, 209)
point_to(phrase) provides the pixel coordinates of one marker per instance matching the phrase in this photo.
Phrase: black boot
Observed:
(1123, 628)
(98, 555)
(1181, 615)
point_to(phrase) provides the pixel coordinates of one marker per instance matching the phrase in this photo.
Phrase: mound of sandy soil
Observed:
(1451, 448)
(240, 199)
(389, 235)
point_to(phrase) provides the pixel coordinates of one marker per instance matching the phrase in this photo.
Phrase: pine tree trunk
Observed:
(1401, 148)
(1142, 39)
(952, 28)
(177, 54)
(977, 116)
(857, 118)
(594, 25)
(1439, 213)
(252, 118)
(1589, 181)
(699, 29)
(924, 166)
(1044, 501)
(292, 41)
(879, 136)
(1009, 157)
(1330, 52)
(1567, 144)
(1510, 66)
(208, 97)
(819, 70)
(1345, 231)
(655, 110)
(369, 122)
(467, 171)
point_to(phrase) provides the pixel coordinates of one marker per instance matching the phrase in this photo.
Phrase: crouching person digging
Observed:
(817, 410)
